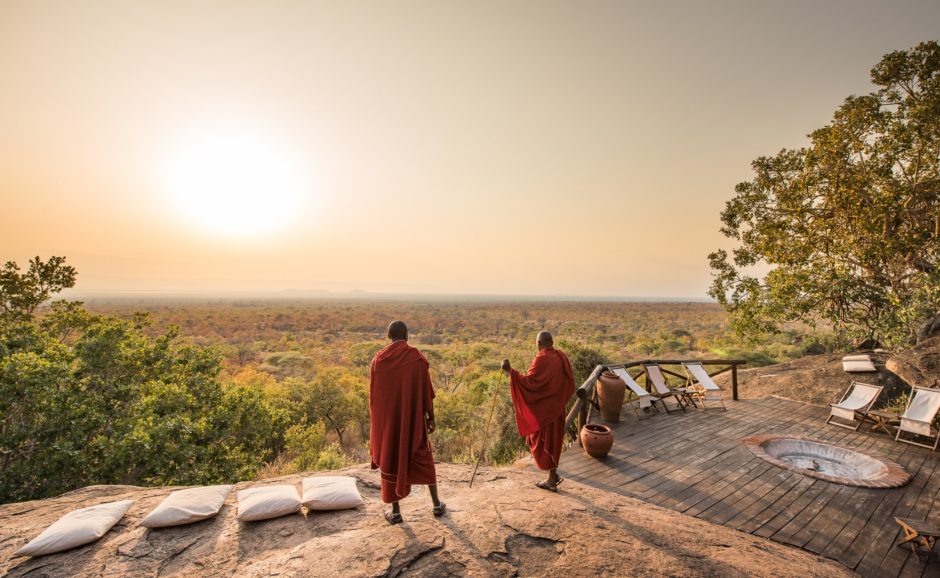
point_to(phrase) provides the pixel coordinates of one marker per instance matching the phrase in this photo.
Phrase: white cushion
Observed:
(331, 493)
(76, 529)
(187, 506)
(267, 502)
(858, 366)
(856, 358)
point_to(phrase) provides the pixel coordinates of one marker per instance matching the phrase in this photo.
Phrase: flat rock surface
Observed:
(503, 526)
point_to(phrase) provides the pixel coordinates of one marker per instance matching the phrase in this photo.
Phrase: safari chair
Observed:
(855, 404)
(918, 533)
(922, 407)
(645, 398)
(701, 384)
(654, 375)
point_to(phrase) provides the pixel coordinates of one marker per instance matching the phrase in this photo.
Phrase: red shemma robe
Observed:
(539, 398)
(400, 395)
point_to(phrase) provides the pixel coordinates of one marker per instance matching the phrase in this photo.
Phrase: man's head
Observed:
(544, 340)
(398, 331)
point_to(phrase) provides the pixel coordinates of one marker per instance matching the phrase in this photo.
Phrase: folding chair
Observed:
(922, 407)
(918, 533)
(654, 375)
(645, 398)
(855, 406)
(702, 385)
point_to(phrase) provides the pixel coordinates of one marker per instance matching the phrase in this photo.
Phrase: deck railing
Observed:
(585, 392)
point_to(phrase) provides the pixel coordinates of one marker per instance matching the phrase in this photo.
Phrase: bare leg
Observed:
(552, 480)
(396, 508)
(434, 499)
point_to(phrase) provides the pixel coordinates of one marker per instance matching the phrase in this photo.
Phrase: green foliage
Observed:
(304, 442)
(850, 225)
(583, 358)
(507, 446)
(754, 358)
(333, 458)
(21, 294)
(361, 354)
(87, 399)
(333, 396)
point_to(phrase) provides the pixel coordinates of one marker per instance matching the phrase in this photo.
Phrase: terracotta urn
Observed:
(610, 390)
(596, 439)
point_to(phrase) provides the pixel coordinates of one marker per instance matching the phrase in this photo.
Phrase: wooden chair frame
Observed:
(677, 395)
(934, 433)
(700, 392)
(918, 533)
(653, 397)
(861, 414)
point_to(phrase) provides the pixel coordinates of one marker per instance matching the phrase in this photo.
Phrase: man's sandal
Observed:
(393, 518)
(439, 510)
(545, 486)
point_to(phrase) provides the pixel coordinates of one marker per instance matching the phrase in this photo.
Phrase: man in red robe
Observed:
(539, 398)
(402, 411)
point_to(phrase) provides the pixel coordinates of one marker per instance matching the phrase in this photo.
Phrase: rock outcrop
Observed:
(815, 379)
(919, 365)
(503, 526)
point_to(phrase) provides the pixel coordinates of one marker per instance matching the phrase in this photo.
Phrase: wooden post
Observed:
(582, 419)
(734, 382)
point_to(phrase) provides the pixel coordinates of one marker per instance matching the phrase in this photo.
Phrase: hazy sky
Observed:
(535, 147)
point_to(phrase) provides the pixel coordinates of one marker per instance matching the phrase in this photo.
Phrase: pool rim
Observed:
(895, 476)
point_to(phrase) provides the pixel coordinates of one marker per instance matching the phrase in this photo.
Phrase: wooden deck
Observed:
(695, 463)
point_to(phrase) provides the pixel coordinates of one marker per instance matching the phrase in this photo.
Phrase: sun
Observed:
(235, 184)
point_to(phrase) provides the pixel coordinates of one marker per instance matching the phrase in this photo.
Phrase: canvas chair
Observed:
(855, 404)
(922, 407)
(701, 384)
(645, 398)
(654, 375)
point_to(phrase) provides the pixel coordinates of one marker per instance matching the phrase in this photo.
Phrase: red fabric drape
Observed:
(400, 394)
(539, 398)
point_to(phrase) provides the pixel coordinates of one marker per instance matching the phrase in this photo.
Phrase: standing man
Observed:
(539, 398)
(402, 409)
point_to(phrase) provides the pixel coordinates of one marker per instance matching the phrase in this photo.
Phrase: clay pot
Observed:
(596, 439)
(610, 390)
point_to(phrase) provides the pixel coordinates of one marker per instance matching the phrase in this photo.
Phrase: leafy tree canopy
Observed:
(86, 399)
(851, 224)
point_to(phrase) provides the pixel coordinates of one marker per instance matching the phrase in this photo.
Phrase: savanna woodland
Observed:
(171, 392)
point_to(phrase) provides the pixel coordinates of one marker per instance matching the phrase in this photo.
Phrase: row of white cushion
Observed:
(194, 504)
(857, 364)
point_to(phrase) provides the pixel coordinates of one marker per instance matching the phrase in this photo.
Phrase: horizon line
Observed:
(360, 294)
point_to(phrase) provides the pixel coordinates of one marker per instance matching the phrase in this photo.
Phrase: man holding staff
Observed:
(539, 398)
(402, 415)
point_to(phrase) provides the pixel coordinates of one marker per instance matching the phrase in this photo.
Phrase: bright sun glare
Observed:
(235, 185)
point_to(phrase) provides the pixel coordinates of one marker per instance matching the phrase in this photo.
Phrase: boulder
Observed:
(919, 365)
(503, 526)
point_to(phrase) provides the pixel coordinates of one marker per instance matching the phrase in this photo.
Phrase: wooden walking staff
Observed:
(487, 430)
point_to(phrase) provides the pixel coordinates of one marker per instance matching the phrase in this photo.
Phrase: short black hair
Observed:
(397, 330)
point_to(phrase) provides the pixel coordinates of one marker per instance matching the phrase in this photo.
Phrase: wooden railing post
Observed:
(734, 382)
(582, 420)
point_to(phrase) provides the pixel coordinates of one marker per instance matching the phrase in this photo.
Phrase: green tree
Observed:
(86, 399)
(334, 396)
(21, 294)
(849, 225)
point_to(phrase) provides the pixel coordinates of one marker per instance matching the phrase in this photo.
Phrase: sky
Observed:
(525, 147)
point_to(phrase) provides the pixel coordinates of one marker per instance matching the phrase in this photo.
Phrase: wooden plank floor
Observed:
(695, 463)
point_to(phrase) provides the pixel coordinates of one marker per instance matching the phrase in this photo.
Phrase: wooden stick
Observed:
(487, 430)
